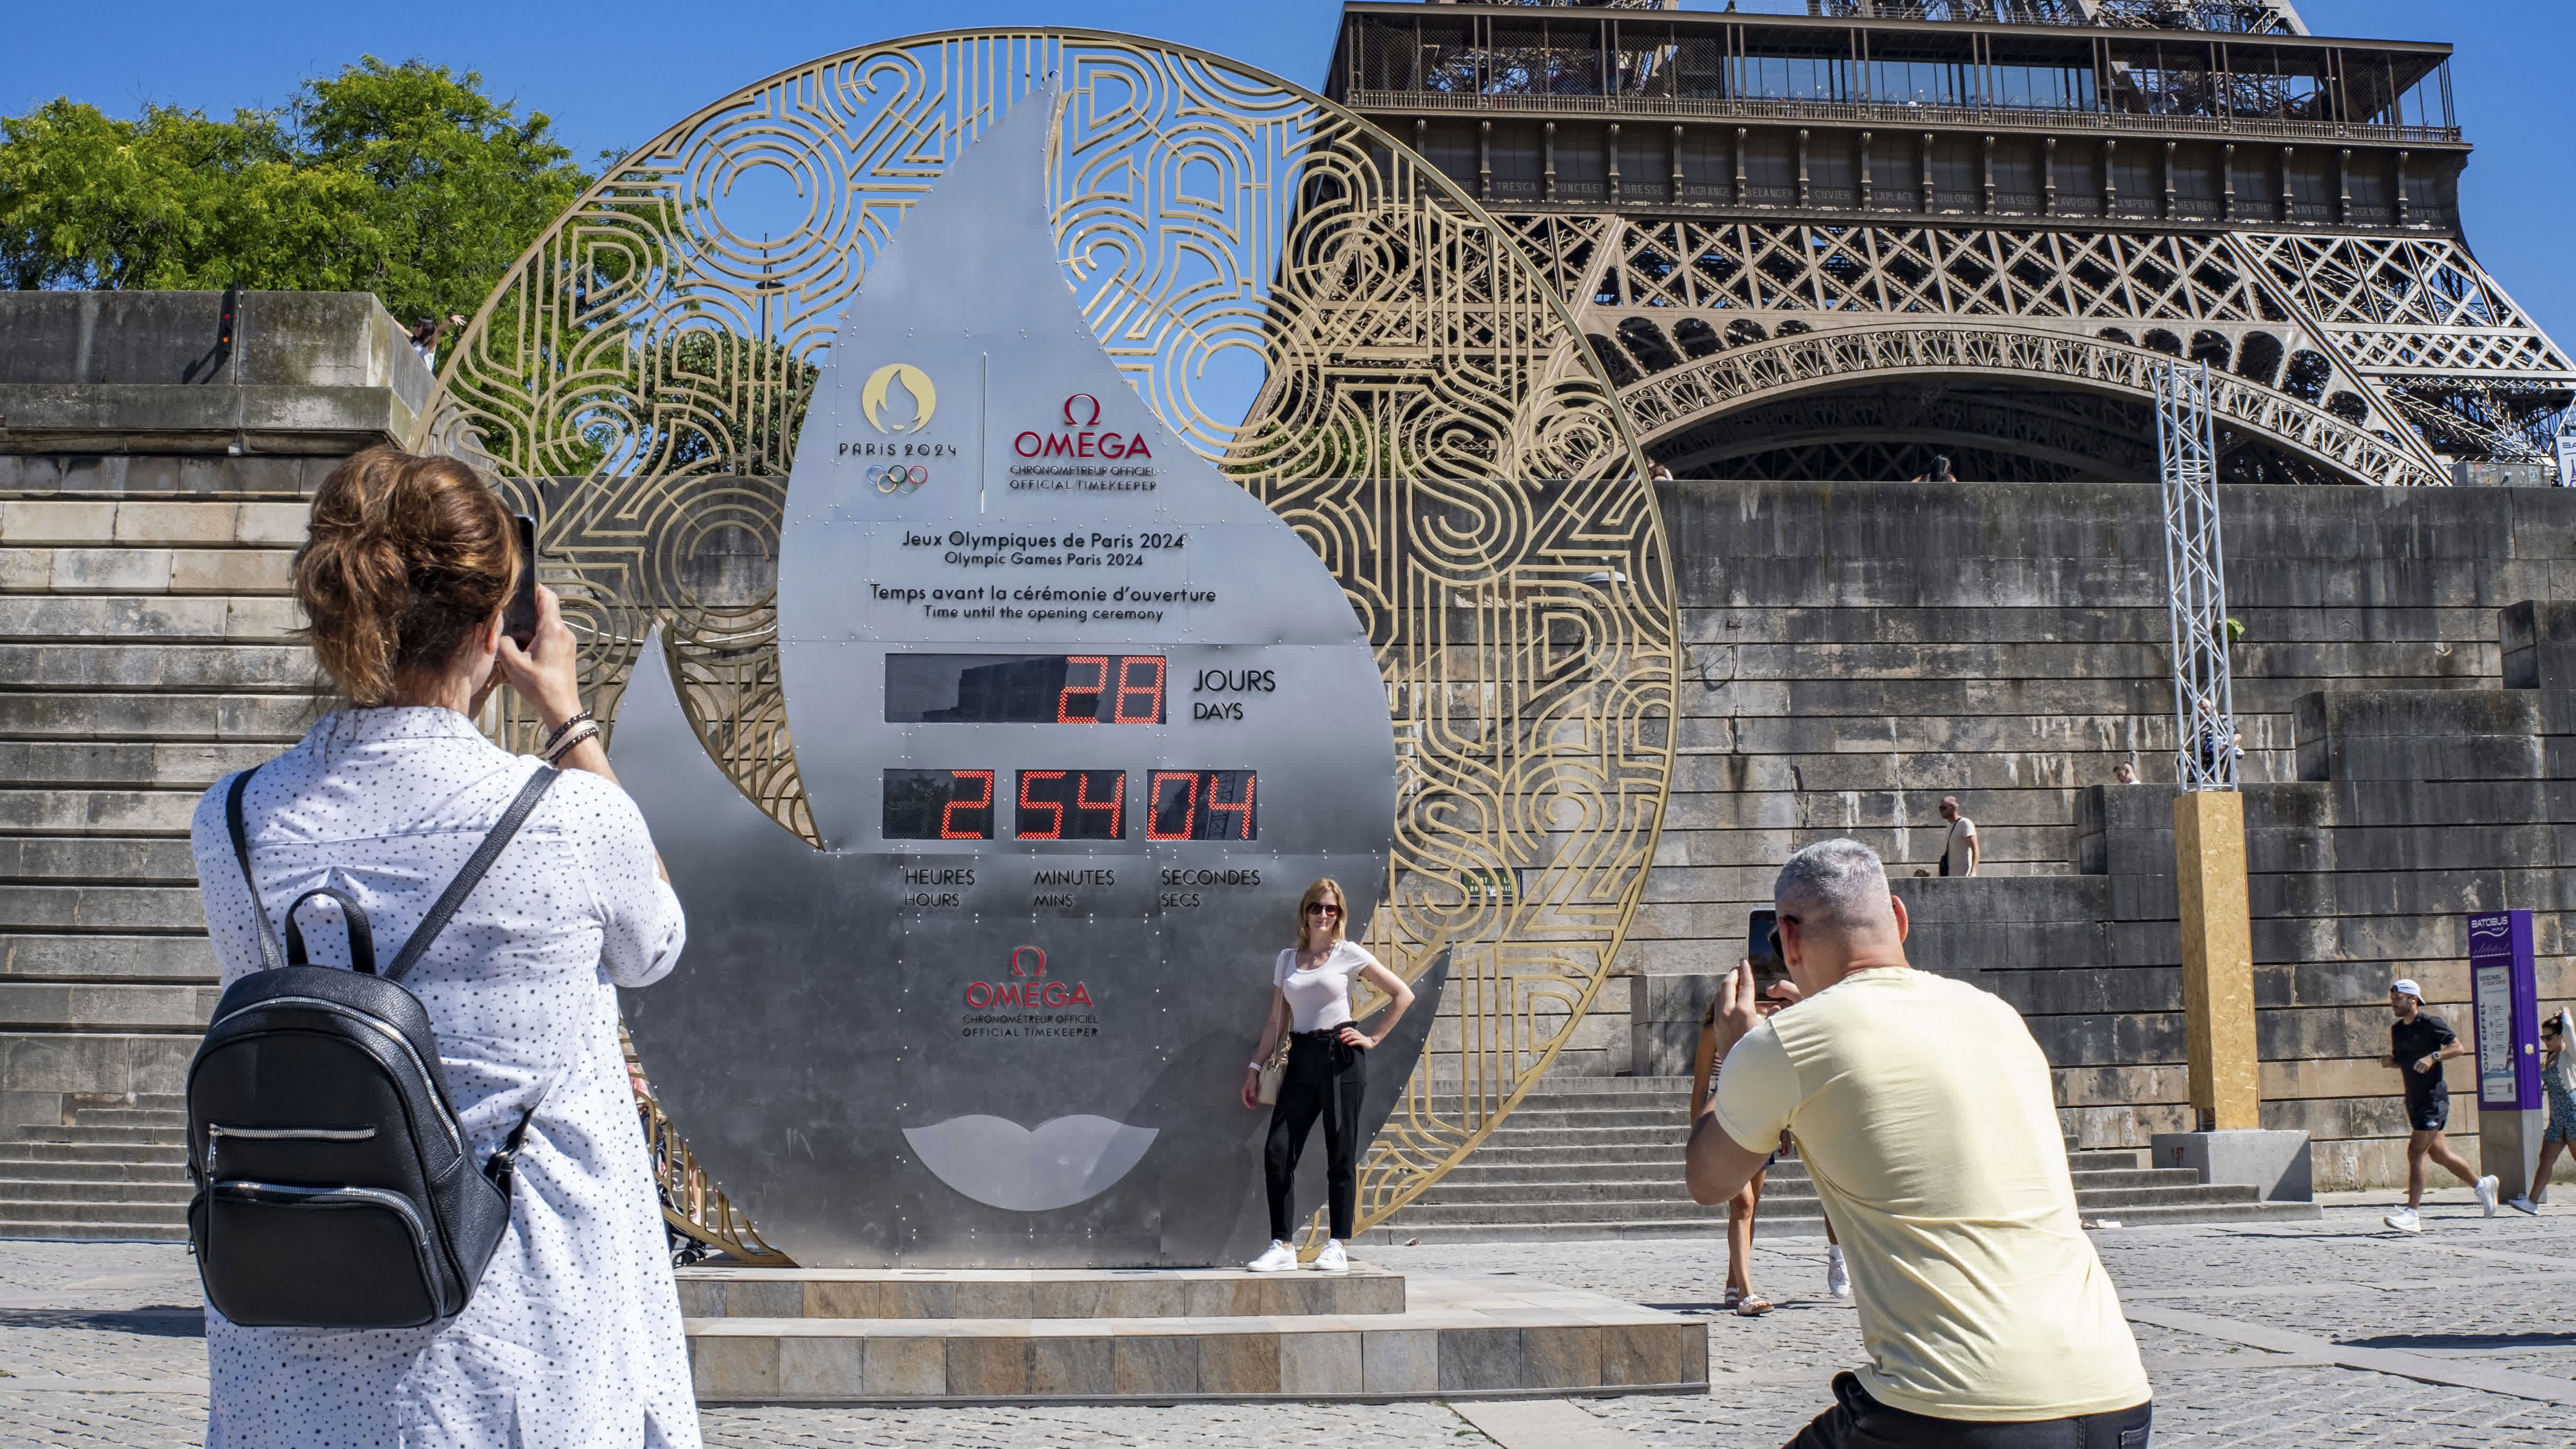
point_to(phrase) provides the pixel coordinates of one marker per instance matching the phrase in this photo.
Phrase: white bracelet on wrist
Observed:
(570, 740)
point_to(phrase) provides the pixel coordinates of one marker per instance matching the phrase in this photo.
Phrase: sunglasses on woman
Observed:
(1320, 909)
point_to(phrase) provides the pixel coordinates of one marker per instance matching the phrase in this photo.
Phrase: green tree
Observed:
(406, 180)
(461, 185)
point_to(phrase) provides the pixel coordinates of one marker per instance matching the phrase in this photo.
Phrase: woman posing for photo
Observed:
(1327, 1071)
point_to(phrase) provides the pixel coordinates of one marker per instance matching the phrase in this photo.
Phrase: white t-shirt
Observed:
(1924, 1113)
(1320, 998)
(1955, 850)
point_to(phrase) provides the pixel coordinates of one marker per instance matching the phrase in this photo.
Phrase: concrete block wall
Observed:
(150, 503)
(131, 390)
(1857, 651)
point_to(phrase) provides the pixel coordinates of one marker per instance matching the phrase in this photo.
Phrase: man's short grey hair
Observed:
(1834, 884)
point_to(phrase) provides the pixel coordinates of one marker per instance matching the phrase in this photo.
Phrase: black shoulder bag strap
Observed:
(270, 957)
(481, 861)
(502, 1167)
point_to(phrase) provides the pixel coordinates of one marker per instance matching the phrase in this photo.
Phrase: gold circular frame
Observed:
(1424, 412)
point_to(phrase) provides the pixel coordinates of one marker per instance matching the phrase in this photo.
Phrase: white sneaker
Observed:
(1280, 1259)
(2486, 1191)
(1332, 1259)
(1837, 1277)
(2524, 1204)
(2404, 1220)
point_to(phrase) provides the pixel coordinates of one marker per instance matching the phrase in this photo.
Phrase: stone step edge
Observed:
(17, 1219)
(715, 1292)
(2086, 1199)
(76, 494)
(1158, 1399)
(1652, 1175)
(45, 1231)
(10, 1158)
(1409, 1321)
(1782, 1225)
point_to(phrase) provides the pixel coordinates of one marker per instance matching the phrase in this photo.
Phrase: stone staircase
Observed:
(144, 653)
(1601, 1157)
(112, 1171)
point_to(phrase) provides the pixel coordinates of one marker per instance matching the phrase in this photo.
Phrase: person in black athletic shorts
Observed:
(2417, 1043)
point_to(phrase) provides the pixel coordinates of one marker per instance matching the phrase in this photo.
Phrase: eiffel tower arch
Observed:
(1836, 240)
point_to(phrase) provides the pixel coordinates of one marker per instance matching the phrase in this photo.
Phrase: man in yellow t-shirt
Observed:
(1923, 1112)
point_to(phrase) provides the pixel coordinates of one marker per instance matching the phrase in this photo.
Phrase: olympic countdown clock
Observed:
(750, 294)
(1078, 719)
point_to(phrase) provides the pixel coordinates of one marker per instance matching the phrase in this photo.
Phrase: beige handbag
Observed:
(1272, 1071)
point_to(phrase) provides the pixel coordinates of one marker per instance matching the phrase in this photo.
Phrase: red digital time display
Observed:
(1201, 805)
(1072, 805)
(1124, 689)
(938, 804)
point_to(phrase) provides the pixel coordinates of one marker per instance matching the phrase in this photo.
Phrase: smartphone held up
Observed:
(1762, 948)
(519, 621)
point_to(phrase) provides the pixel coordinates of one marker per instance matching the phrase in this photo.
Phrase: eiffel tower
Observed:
(1839, 239)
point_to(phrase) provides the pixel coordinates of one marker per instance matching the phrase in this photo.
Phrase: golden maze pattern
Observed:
(1425, 414)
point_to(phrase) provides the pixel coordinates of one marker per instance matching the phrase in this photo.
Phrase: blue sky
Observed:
(613, 76)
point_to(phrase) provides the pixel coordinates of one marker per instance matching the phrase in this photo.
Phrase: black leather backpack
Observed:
(333, 1186)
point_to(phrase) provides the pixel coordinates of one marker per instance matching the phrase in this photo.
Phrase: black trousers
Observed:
(1326, 1077)
(1857, 1421)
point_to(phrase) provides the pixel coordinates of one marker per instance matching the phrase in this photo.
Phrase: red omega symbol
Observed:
(1018, 970)
(1069, 420)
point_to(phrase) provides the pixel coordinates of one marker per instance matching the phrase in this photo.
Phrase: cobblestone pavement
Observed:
(2463, 1336)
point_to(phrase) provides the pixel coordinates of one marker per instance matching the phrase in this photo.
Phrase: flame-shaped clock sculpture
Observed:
(1078, 719)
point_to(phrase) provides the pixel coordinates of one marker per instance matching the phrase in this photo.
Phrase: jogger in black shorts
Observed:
(2417, 1043)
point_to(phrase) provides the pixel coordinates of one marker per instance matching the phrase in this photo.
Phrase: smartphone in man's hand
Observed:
(519, 621)
(1762, 948)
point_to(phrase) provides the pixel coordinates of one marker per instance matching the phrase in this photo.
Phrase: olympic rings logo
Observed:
(899, 479)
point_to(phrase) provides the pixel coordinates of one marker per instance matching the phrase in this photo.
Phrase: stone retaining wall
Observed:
(1857, 651)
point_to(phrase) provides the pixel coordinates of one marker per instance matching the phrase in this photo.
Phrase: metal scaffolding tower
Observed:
(2205, 744)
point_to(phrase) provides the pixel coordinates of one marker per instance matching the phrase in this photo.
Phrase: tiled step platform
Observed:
(1159, 1336)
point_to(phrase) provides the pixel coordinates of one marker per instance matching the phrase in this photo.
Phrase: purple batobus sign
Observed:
(2504, 987)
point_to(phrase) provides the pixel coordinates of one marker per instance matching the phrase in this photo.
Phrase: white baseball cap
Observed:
(2407, 986)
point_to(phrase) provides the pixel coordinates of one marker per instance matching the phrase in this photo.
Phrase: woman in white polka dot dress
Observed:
(573, 1337)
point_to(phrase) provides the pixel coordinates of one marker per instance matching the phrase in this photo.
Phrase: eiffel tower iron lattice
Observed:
(1850, 238)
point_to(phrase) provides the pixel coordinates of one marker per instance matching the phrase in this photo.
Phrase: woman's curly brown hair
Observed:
(405, 559)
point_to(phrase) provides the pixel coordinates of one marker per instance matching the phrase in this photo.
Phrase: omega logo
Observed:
(1028, 965)
(1081, 417)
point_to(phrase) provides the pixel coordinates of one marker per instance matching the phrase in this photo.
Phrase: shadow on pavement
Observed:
(158, 1321)
(2462, 1340)
(2322, 1237)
